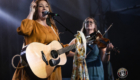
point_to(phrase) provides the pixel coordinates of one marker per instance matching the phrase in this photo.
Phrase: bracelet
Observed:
(107, 53)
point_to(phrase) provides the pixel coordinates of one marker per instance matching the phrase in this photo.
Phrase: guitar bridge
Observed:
(44, 58)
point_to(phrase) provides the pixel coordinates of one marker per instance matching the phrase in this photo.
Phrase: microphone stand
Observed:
(66, 29)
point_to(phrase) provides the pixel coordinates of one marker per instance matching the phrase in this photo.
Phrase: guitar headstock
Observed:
(92, 37)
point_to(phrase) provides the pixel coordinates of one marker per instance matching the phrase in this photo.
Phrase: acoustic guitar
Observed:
(42, 59)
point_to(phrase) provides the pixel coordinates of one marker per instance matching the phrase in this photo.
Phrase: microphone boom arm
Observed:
(66, 29)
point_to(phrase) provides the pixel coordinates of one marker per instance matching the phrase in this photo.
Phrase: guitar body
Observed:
(42, 59)
(35, 61)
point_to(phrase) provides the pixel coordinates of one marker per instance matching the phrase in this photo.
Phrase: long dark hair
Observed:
(83, 26)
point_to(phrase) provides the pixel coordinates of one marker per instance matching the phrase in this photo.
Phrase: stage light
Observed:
(8, 18)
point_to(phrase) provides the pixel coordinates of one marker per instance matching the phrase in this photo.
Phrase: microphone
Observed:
(49, 13)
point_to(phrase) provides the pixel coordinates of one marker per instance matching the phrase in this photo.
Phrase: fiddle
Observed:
(101, 42)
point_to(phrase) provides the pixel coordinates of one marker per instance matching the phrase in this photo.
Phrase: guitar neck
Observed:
(66, 49)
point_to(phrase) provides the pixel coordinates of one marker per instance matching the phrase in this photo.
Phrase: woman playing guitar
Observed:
(38, 27)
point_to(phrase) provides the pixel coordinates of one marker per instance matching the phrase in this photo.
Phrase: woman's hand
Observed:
(109, 47)
(105, 53)
(32, 6)
(32, 10)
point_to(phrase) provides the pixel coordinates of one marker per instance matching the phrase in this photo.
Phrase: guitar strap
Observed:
(55, 33)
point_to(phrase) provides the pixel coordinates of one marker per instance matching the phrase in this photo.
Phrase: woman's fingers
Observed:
(32, 6)
(110, 47)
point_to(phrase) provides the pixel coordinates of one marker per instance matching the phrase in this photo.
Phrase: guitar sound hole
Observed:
(54, 54)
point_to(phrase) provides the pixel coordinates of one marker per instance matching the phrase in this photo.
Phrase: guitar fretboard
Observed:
(66, 49)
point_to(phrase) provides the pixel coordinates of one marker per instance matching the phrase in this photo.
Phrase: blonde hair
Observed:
(83, 26)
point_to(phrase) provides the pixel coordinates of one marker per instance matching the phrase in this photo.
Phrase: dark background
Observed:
(124, 34)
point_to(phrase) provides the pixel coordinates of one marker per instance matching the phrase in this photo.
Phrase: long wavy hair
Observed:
(49, 20)
(83, 26)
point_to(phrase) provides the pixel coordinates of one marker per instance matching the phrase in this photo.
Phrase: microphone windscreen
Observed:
(45, 12)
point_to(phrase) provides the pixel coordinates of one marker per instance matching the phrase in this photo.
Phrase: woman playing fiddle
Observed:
(98, 55)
